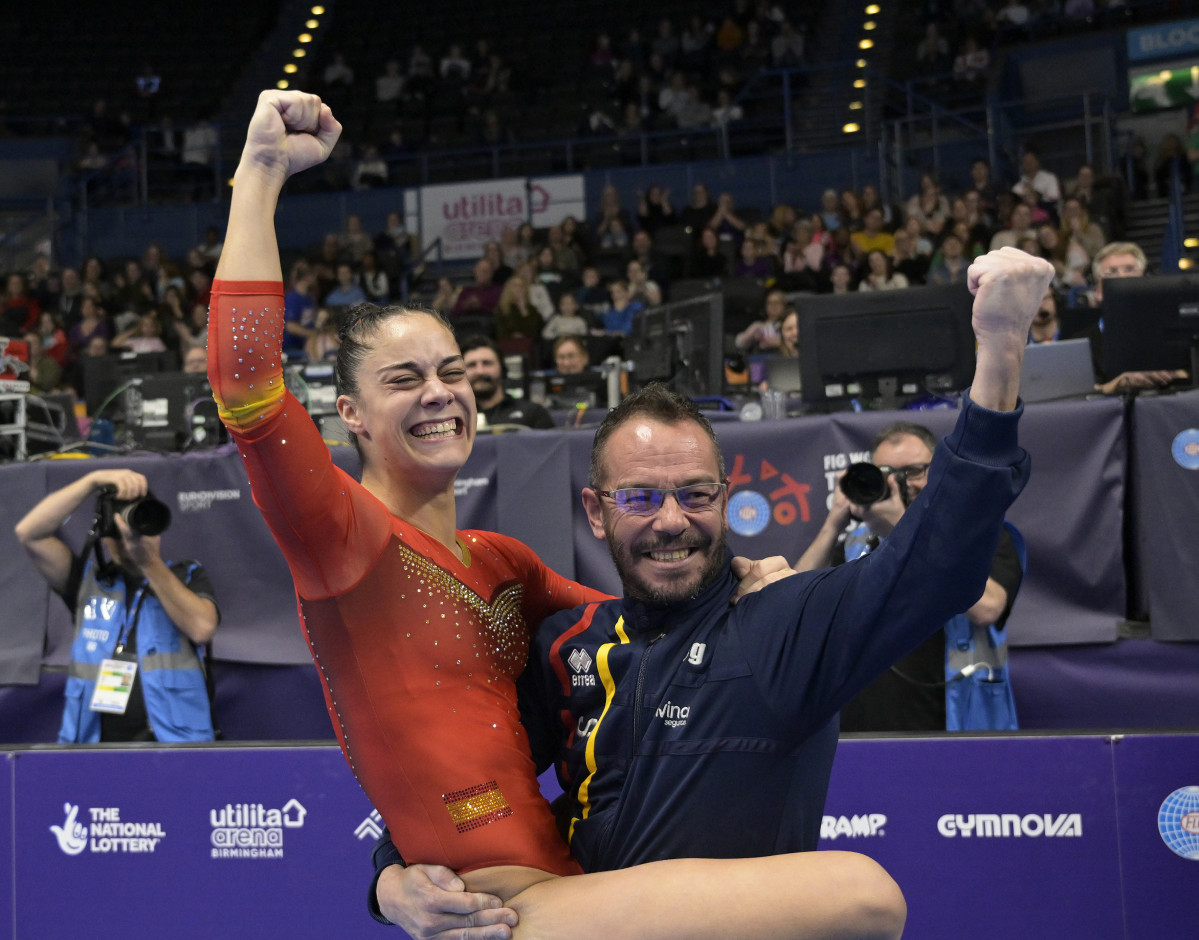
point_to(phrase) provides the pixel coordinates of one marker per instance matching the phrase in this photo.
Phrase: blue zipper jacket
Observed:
(704, 730)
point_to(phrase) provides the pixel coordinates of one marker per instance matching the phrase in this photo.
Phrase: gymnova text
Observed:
(1008, 825)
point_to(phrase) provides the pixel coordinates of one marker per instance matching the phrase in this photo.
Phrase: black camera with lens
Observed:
(144, 515)
(864, 483)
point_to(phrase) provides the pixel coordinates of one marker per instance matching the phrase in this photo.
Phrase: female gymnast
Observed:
(419, 630)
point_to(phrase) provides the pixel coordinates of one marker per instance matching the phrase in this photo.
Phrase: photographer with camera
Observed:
(957, 680)
(136, 671)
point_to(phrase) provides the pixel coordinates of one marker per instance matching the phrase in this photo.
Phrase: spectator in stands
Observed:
(354, 242)
(971, 239)
(348, 291)
(789, 333)
(611, 209)
(1171, 158)
(419, 77)
(842, 250)
(801, 260)
(482, 295)
(949, 265)
(52, 339)
(982, 184)
(195, 360)
(594, 298)
(730, 35)
(70, 297)
(563, 258)
(518, 322)
(370, 172)
(1020, 227)
(145, 336)
(840, 278)
(879, 275)
(850, 209)
(763, 335)
(484, 365)
(373, 280)
(642, 289)
(729, 227)
(907, 260)
(198, 157)
(389, 87)
(695, 44)
(393, 246)
(708, 260)
(1035, 179)
(494, 254)
(872, 235)
(570, 355)
(21, 309)
(445, 296)
(872, 200)
(299, 309)
(1014, 13)
(1077, 226)
(929, 206)
(618, 319)
(93, 322)
(699, 211)
(574, 237)
(338, 76)
(754, 262)
(611, 235)
(787, 47)
(972, 65)
(566, 320)
(653, 208)
(933, 60)
(1046, 327)
(191, 330)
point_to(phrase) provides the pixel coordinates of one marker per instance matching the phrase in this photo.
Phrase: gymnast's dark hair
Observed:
(356, 327)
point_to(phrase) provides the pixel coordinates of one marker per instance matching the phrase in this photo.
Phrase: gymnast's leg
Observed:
(803, 896)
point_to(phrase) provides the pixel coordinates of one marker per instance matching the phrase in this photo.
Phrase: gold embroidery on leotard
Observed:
(476, 806)
(502, 625)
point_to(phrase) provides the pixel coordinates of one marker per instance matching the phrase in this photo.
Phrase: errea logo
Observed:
(581, 663)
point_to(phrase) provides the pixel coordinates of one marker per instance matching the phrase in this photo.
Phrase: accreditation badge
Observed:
(114, 684)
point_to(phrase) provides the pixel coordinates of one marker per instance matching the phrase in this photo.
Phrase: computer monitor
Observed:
(103, 375)
(1151, 323)
(682, 345)
(160, 410)
(566, 391)
(885, 348)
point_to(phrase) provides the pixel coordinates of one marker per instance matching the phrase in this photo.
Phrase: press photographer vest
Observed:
(169, 667)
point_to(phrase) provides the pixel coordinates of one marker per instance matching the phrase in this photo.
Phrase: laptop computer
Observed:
(1058, 370)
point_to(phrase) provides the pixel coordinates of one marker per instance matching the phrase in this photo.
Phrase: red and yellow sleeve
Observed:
(245, 338)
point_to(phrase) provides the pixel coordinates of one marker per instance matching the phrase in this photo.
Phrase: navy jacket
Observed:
(704, 730)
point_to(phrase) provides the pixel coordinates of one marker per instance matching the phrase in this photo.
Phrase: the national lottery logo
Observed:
(251, 830)
(769, 494)
(104, 832)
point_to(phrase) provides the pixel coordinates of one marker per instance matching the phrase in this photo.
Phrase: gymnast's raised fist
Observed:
(289, 132)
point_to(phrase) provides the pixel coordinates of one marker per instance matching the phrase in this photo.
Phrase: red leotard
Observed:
(418, 652)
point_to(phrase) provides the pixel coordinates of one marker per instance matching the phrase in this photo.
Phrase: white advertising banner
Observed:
(465, 216)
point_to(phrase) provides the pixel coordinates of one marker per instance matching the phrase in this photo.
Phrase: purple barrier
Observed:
(991, 838)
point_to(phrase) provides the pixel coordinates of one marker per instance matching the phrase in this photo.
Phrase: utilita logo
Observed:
(1010, 825)
(251, 830)
(852, 827)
